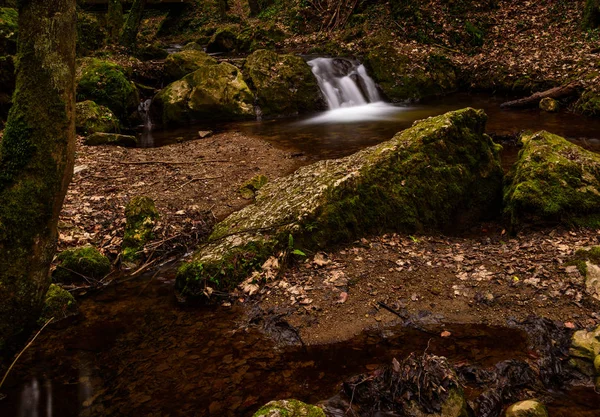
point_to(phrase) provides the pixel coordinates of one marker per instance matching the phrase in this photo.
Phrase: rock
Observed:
(597, 365)
(9, 26)
(106, 84)
(213, 92)
(585, 347)
(226, 39)
(289, 408)
(592, 280)
(152, 51)
(553, 181)
(92, 118)
(549, 105)
(284, 84)
(141, 215)
(180, 64)
(97, 139)
(203, 134)
(250, 188)
(454, 406)
(58, 304)
(527, 408)
(381, 187)
(589, 102)
(78, 264)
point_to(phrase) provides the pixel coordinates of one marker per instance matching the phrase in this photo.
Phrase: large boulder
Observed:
(442, 172)
(212, 91)
(91, 118)
(585, 347)
(553, 181)
(106, 83)
(289, 408)
(180, 64)
(284, 84)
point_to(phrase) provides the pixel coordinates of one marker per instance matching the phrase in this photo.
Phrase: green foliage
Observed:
(79, 264)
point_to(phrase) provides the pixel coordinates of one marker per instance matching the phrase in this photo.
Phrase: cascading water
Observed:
(147, 140)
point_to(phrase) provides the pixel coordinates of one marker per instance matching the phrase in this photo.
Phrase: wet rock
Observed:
(58, 304)
(380, 187)
(527, 408)
(585, 346)
(141, 215)
(92, 118)
(549, 105)
(284, 84)
(98, 139)
(212, 91)
(289, 408)
(180, 64)
(250, 188)
(553, 181)
(81, 264)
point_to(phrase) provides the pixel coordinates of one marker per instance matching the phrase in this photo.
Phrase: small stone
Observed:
(527, 408)
(549, 104)
(205, 133)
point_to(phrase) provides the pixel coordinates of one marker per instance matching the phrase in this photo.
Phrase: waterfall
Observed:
(344, 83)
(147, 140)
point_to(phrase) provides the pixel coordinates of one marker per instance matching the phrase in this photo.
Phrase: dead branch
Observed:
(567, 90)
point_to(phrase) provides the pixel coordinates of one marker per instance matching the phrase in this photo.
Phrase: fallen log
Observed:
(562, 91)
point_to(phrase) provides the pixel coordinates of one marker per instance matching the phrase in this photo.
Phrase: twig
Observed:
(88, 279)
(390, 309)
(23, 351)
(199, 179)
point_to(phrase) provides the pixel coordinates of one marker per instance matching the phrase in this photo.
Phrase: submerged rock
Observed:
(180, 64)
(58, 304)
(141, 215)
(284, 84)
(99, 138)
(79, 264)
(553, 181)
(549, 105)
(212, 91)
(289, 408)
(92, 118)
(527, 408)
(442, 172)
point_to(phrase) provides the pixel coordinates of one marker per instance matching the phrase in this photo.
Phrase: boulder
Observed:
(141, 216)
(77, 265)
(441, 173)
(284, 84)
(549, 105)
(585, 347)
(227, 39)
(587, 262)
(289, 408)
(106, 84)
(58, 304)
(527, 408)
(212, 92)
(180, 64)
(553, 181)
(91, 118)
(98, 139)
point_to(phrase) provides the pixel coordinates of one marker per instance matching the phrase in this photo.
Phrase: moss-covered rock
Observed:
(553, 181)
(180, 64)
(151, 50)
(549, 105)
(289, 408)
(141, 215)
(58, 304)
(401, 78)
(106, 84)
(588, 263)
(251, 187)
(585, 346)
(227, 39)
(284, 84)
(212, 91)
(442, 172)
(589, 103)
(115, 139)
(527, 408)
(79, 264)
(8, 30)
(92, 118)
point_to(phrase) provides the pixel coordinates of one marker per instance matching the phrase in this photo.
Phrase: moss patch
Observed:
(58, 303)
(250, 188)
(141, 215)
(78, 264)
(92, 118)
(289, 408)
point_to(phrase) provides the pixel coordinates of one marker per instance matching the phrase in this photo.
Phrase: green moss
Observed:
(289, 408)
(58, 304)
(92, 118)
(589, 103)
(80, 264)
(553, 181)
(250, 188)
(582, 256)
(141, 215)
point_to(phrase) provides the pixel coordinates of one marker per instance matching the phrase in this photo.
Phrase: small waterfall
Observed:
(147, 140)
(344, 83)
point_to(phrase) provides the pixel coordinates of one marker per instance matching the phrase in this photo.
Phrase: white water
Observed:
(350, 93)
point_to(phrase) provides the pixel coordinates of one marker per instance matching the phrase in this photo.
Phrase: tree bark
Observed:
(132, 25)
(114, 19)
(36, 159)
(591, 14)
(568, 90)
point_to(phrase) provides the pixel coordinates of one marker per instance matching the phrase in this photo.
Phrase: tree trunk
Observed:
(114, 19)
(132, 25)
(36, 159)
(591, 14)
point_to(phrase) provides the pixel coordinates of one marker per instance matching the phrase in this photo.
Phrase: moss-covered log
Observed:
(442, 172)
(132, 25)
(36, 159)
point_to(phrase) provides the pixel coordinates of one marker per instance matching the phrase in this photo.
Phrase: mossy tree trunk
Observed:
(114, 19)
(132, 25)
(591, 14)
(36, 159)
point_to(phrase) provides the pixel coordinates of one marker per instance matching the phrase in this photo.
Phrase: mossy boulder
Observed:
(553, 181)
(77, 265)
(549, 105)
(58, 304)
(9, 25)
(527, 408)
(589, 102)
(401, 78)
(289, 408)
(114, 139)
(141, 216)
(211, 92)
(92, 118)
(151, 51)
(585, 347)
(442, 172)
(180, 64)
(106, 84)
(284, 84)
